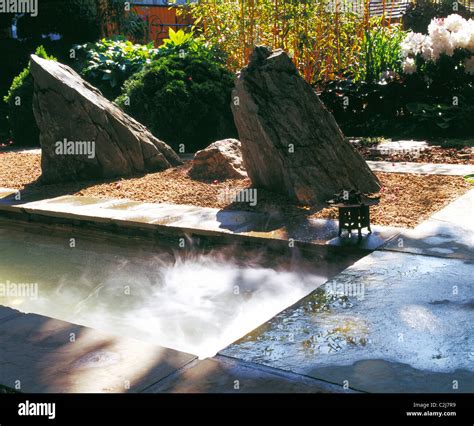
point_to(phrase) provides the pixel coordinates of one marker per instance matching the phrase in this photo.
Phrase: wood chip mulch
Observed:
(406, 200)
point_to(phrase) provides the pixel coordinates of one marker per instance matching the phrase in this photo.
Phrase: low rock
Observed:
(220, 160)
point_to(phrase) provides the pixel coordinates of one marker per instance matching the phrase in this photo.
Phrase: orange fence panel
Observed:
(160, 19)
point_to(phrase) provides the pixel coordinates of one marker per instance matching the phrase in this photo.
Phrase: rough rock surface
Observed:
(291, 143)
(69, 110)
(220, 160)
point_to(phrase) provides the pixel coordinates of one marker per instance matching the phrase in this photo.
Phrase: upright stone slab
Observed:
(85, 136)
(291, 143)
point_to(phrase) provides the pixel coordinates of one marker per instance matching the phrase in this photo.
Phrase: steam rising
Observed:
(193, 301)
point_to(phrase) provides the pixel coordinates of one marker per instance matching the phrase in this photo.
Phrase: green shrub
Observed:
(366, 109)
(109, 62)
(183, 97)
(381, 52)
(19, 100)
(417, 96)
(17, 53)
(408, 107)
(180, 42)
(469, 179)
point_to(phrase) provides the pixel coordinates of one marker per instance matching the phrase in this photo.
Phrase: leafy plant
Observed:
(73, 22)
(109, 62)
(365, 109)
(114, 19)
(469, 179)
(183, 98)
(19, 100)
(17, 54)
(403, 107)
(179, 40)
(430, 98)
(381, 52)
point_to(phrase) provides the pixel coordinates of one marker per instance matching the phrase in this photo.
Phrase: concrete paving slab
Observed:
(199, 220)
(122, 211)
(435, 238)
(448, 233)
(67, 207)
(8, 198)
(460, 212)
(421, 168)
(226, 375)
(369, 241)
(392, 322)
(325, 232)
(7, 194)
(390, 147)
(224, 221)
(382, 376)
(44, 355)
(401, 146)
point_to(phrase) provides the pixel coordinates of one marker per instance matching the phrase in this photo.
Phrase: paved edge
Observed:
(256, 373)
(421, 168)
(286, 380)
(10, 209)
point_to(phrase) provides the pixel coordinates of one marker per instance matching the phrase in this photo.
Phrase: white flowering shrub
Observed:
(449, 39)
(431, 95)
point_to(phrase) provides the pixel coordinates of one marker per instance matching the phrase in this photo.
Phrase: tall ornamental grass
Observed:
(326, 38)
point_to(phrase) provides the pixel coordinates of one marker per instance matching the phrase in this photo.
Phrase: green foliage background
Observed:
(184, 98)
(20, 117)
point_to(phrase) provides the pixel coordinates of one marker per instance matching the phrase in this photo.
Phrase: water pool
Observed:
(193, 299)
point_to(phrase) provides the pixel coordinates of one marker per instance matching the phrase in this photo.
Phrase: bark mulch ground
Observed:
(406, 200)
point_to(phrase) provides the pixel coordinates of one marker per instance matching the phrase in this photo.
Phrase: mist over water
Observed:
(197, 301)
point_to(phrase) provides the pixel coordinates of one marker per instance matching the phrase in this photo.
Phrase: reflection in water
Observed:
(407, 309)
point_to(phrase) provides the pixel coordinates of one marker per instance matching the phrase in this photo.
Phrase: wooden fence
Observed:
(160, 19)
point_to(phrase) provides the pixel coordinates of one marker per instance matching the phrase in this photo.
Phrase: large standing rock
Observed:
(290, 142)
(220, 160)
(71, 114)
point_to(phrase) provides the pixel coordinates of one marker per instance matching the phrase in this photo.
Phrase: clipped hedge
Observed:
(183, 97)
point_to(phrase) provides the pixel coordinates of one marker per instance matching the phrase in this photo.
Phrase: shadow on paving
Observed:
(44, 355)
